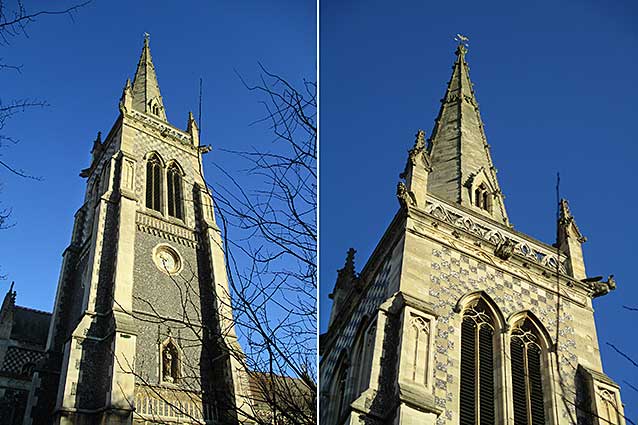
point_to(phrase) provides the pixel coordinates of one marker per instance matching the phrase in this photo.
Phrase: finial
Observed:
(565, 218)
(350, 259)
(11, 288)
(348, 271)
(147, 38)
(565, 213)
(420, 140)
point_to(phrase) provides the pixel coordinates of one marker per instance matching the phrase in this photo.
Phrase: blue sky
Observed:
(80, 66)
(556, 84)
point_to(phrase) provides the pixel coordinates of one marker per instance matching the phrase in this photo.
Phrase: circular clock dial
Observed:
(167, 259)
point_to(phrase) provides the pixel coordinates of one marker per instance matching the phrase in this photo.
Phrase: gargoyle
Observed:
(406, 198)
(505, 249)
(599, 287)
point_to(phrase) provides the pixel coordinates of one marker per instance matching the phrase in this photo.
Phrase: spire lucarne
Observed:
(462, 169)
(146, 93)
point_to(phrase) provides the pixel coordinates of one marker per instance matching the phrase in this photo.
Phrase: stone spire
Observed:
(146, 93)
(462, 169)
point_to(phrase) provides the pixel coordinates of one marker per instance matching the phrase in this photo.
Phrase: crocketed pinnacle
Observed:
(567, 224)
(458, 148)
(146, 93)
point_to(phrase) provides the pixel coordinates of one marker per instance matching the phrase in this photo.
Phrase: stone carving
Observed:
(406, 197)
(128, 174)
(161, 129)
(418, 148)
(169, 364)
(599, 287)
(566, 219)
(505, 249)
(486, 231)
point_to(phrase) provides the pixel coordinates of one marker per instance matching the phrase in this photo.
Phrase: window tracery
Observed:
(420, 328)
(609, 411)
(527, 382)
(27, 369)
(154, 184)
(477, 404)
(174, 183)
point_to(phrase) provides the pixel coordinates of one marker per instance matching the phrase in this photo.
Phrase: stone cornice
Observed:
(525, 246)
(162, 228)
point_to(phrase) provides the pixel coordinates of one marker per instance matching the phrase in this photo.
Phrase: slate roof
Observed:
(31, 326)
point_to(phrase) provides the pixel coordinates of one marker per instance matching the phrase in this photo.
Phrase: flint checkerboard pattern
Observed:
(455, 275)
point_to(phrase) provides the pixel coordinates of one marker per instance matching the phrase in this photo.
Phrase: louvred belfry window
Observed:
(174, 181)
(339, 392)
(527, 382)
(477, 405)
(154, 184)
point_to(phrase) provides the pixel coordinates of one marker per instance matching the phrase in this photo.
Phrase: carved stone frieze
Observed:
(160, 129)
(490, 233)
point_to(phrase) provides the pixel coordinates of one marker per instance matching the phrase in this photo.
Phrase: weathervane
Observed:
(462, 40)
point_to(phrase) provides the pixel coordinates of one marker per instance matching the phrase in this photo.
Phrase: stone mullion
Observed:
(477, 374)
(504, 412)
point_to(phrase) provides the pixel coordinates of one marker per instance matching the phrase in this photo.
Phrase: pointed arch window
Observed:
(482, 198)
(364, 350)
(527, 382)
(609, 411)
(174, 180)
(154, 184)
(339, 391)
(477, 405)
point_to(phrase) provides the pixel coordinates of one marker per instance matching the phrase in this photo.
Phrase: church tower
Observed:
(456, 318)
(142, 329)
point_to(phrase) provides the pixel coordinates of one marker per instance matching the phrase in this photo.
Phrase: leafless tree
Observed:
(270, 241)
(15, 18)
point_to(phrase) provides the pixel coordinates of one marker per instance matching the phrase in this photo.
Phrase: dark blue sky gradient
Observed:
(556, 85)
(80, 66)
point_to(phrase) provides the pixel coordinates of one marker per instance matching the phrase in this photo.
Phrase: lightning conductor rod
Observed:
(557, 194)
(199, 118)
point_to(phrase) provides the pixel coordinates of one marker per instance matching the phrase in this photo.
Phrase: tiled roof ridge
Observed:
(34, 310)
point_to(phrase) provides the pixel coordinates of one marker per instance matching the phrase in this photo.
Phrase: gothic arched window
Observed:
(477, 396)
(339, 389)
(364, 350)
(174, 183)
(481, 198)
(154, 184)
(609, 413)
(527, 382)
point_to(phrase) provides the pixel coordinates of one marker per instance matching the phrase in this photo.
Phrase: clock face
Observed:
(167, 259)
